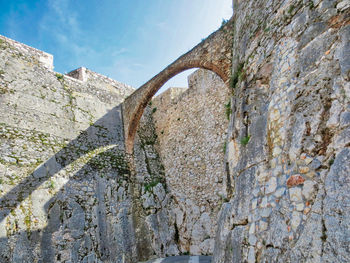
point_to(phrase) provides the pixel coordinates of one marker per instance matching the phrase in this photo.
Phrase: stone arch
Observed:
(213, 53)
(130, 137)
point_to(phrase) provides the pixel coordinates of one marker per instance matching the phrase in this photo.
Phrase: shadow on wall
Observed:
(89, 216)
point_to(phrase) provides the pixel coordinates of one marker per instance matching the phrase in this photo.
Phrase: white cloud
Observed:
(61, 24)
(119, 52)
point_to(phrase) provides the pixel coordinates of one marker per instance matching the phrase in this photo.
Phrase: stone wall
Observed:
(288, 140)
(64, 180)
(155, 216)
(281, 180)
(189, 130)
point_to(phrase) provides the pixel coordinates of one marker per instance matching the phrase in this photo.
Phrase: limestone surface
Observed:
(288, 148)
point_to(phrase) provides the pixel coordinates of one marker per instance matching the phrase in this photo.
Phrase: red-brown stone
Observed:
(294, 180)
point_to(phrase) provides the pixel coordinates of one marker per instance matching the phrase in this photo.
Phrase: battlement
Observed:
(81, 74)
(45, 59)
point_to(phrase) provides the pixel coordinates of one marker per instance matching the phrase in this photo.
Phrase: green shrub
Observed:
(245, 140)
(224, 21)
(150, 185)
(228, 110)
(52, 185)
(291, 8)
(59, 76)
(237, 76)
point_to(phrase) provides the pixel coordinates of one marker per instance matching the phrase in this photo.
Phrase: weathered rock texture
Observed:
(288, 138)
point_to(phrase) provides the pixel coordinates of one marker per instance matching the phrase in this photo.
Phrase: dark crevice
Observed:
(271, 246)
(244, 222)
(228, 182)
(176, 235)
(250, 166)
(324, 236)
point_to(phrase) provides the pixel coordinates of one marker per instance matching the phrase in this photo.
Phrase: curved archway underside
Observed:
(214, 53)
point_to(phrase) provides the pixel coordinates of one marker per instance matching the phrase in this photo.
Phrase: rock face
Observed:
(288, 138)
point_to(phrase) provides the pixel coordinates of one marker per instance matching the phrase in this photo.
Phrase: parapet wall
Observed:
(45, 59)
(95, 79)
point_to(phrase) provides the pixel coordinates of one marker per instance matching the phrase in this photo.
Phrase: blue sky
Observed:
(127, 40)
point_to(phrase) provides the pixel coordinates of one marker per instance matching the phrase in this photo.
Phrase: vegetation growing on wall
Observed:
(237, 76)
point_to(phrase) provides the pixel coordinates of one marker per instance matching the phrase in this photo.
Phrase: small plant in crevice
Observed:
(331, 162)
(244, 140)
(267, 29)
(224, 22)
(59, 76)
(154, 109)
(311, 4)
(52, 185)
(238, 75)
(150, 103)
(225, 147)
(291, 9)
(228, 110)
(149, 186)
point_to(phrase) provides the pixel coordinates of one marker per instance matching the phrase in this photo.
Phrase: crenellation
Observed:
(79, 73)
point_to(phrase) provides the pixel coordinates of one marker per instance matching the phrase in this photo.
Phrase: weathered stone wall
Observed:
(155, 216)
(64, 180)
(288, 140)
(189, 130)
